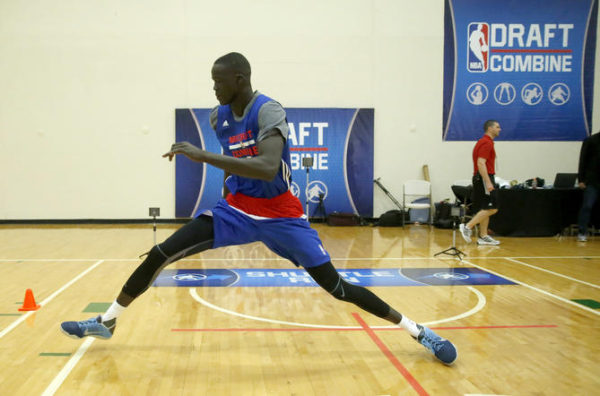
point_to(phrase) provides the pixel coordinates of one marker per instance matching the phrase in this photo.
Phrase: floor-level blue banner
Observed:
(299, 277)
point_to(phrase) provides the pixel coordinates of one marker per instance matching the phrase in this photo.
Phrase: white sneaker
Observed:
(581, 238)
(465, 232)
(487, 240)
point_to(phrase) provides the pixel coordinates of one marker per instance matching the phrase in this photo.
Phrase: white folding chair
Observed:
(416, 194)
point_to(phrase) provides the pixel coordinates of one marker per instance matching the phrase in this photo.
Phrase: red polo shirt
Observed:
(485, 149)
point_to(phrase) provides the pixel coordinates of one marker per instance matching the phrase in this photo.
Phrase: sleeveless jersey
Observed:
(270, 199)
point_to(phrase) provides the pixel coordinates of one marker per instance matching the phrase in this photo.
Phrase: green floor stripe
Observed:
(54, 354)
(98, 307)
(13, 314)
(589, 303)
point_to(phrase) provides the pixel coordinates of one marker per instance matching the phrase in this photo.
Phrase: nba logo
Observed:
(478, 48)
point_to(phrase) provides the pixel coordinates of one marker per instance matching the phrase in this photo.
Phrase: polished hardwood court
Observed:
(536, 334)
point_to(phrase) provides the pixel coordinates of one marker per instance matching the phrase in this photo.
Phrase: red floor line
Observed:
(275, 329)
(347, 329)
(411, 380)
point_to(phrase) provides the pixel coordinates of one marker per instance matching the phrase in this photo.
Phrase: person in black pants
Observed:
(589, 181)
(485, 202)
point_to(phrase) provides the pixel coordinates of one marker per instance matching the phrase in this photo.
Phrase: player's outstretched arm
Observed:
(263, 166)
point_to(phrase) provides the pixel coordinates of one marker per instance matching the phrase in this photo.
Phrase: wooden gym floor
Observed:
(524, 316)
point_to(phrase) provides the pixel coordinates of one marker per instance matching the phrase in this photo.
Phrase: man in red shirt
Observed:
(484, 189)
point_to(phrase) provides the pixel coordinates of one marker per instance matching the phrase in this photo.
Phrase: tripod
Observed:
(154, 212)
(307, 162)
(453, 251)
(320, 209)
(389, 194)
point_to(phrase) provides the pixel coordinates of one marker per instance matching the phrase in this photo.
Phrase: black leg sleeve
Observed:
(329, 279)
(192, 238)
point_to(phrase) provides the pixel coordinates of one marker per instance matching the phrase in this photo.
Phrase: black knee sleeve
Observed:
(194, 237)
(144, 275)
(329, 279)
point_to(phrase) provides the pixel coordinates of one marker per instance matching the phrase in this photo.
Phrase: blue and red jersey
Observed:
(259, 198)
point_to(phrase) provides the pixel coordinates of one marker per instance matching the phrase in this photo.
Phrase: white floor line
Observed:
(333, 258)
(48, 299)
(62, 375)
(595, 312)
(535, 257)
(480, 304)
(482, 394)
(48, 259)
(553, 273)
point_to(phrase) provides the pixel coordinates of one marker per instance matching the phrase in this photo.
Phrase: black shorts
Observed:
(482, 198)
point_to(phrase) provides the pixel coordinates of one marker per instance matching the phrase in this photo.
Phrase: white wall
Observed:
(88, 91)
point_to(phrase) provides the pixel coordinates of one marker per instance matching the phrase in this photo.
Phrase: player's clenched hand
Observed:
(185, 148)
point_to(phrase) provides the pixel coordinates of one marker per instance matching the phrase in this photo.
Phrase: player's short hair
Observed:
(488, 124)
(236, 61)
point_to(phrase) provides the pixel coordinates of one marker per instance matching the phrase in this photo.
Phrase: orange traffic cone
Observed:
(29, 303)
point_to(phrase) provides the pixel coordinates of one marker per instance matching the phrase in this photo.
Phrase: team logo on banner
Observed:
(477, 93)
(529, 65)
(559, 94)
(316, 191)
(478, 47)
(532, 94)
(505, 93)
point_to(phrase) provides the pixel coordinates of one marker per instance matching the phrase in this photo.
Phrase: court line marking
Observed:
(395, 328)
(58, 259)
(481, 301)
(536, 289)
(48, 299)
(333, 258)
(386, 351)
(59, 379)
(553, 273)
(66, 370)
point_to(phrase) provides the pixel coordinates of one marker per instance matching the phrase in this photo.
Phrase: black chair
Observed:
(462, 190)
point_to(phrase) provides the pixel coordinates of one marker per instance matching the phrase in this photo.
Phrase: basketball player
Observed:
(252, 129)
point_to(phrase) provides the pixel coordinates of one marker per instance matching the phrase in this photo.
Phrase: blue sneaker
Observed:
(443, 349)
(93, 327)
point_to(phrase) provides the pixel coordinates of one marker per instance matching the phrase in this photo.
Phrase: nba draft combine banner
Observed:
(340, 142)
(527, 63)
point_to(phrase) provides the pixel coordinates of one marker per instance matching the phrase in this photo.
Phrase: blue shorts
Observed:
(290, 238)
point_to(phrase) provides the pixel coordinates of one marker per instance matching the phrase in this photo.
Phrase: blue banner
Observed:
(257, 277)
(340, 141)
(528, 64)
